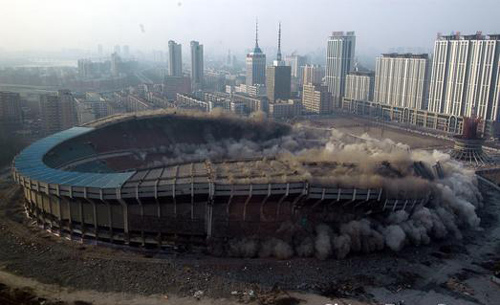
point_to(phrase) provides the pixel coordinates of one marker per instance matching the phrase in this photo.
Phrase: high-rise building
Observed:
(256, 63)
(297, 63)
(229, 59)
(126, 51)
(99, 50)
(115, 64)
(174, 58)
(85, 68)
(359, 86)
(316, 99)
(402, 80)
(313, 74)
(278, 77)
(279, 81)
(118, 49)
(465, 78)
(58, 112)
(196, 65)
(339, 61)
(10, 112)
(67, 110)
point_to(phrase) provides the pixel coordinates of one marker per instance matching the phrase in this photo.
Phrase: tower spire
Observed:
(256, 32)
(278, 56)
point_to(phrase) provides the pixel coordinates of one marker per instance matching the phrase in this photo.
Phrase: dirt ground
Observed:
(37, 267)
(40, 267)
(358, 126)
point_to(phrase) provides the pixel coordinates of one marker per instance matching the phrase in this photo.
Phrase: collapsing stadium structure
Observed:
(164, 179)
(469, 145)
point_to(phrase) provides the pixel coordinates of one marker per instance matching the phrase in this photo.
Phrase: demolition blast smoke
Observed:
(330, 159)
(362, 163)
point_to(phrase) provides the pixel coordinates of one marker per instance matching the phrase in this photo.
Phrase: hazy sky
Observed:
(223, 24)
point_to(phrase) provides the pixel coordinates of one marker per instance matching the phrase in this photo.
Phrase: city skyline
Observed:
(154, 148)
(308, 24)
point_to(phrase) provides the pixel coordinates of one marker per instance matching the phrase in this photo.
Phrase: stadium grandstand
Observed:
(143, 180)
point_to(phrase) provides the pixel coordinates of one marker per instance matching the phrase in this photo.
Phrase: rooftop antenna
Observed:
(256, 32)
(278, 56)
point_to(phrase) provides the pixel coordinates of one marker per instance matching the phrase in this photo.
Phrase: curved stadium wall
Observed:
(69, 191)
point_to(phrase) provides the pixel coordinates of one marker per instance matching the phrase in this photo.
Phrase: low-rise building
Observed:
(186, 101)
(252, 103)
(316, 99)
(283, 109)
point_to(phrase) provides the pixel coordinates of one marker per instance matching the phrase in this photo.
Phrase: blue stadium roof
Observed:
(29, 163)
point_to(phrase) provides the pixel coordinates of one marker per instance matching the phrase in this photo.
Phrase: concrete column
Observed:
(42, 207)
(320, 200)
(82, 218)
(192, 191)
(59, 214)
(192, 200)
(395, 205)
(125, 215)
(70, 219)
(29, 201)
(173, 190)
(34, 210)
(354, 191)
(38, 209)
(158, 214)
(262, 215)
(94, 215)
(228, 205)
(158, 211)
(278, 210)
(143, 238)
(110, 220)
(51, 212)
(299, 198)
(209, 217)
(246, 203)
(174, 200)
(125, 221)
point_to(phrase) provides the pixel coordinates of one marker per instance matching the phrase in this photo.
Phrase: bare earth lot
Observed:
(358, 126)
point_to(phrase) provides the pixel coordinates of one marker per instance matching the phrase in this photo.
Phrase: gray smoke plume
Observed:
(455, 198)
(331, 158)
(323, 244)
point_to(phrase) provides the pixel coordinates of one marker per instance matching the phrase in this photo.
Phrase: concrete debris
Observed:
(495, 279)
(198, 294)
(457, 286)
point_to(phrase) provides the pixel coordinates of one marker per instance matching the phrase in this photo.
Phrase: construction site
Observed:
(214, 208)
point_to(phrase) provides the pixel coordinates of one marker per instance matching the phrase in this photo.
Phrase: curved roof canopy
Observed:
(29, 164)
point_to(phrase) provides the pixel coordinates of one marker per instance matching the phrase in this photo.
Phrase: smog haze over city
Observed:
(381, 25)
(249, 152)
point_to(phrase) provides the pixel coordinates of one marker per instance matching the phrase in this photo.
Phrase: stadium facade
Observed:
(103, 182)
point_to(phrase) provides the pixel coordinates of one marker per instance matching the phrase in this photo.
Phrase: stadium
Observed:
(163, 179)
